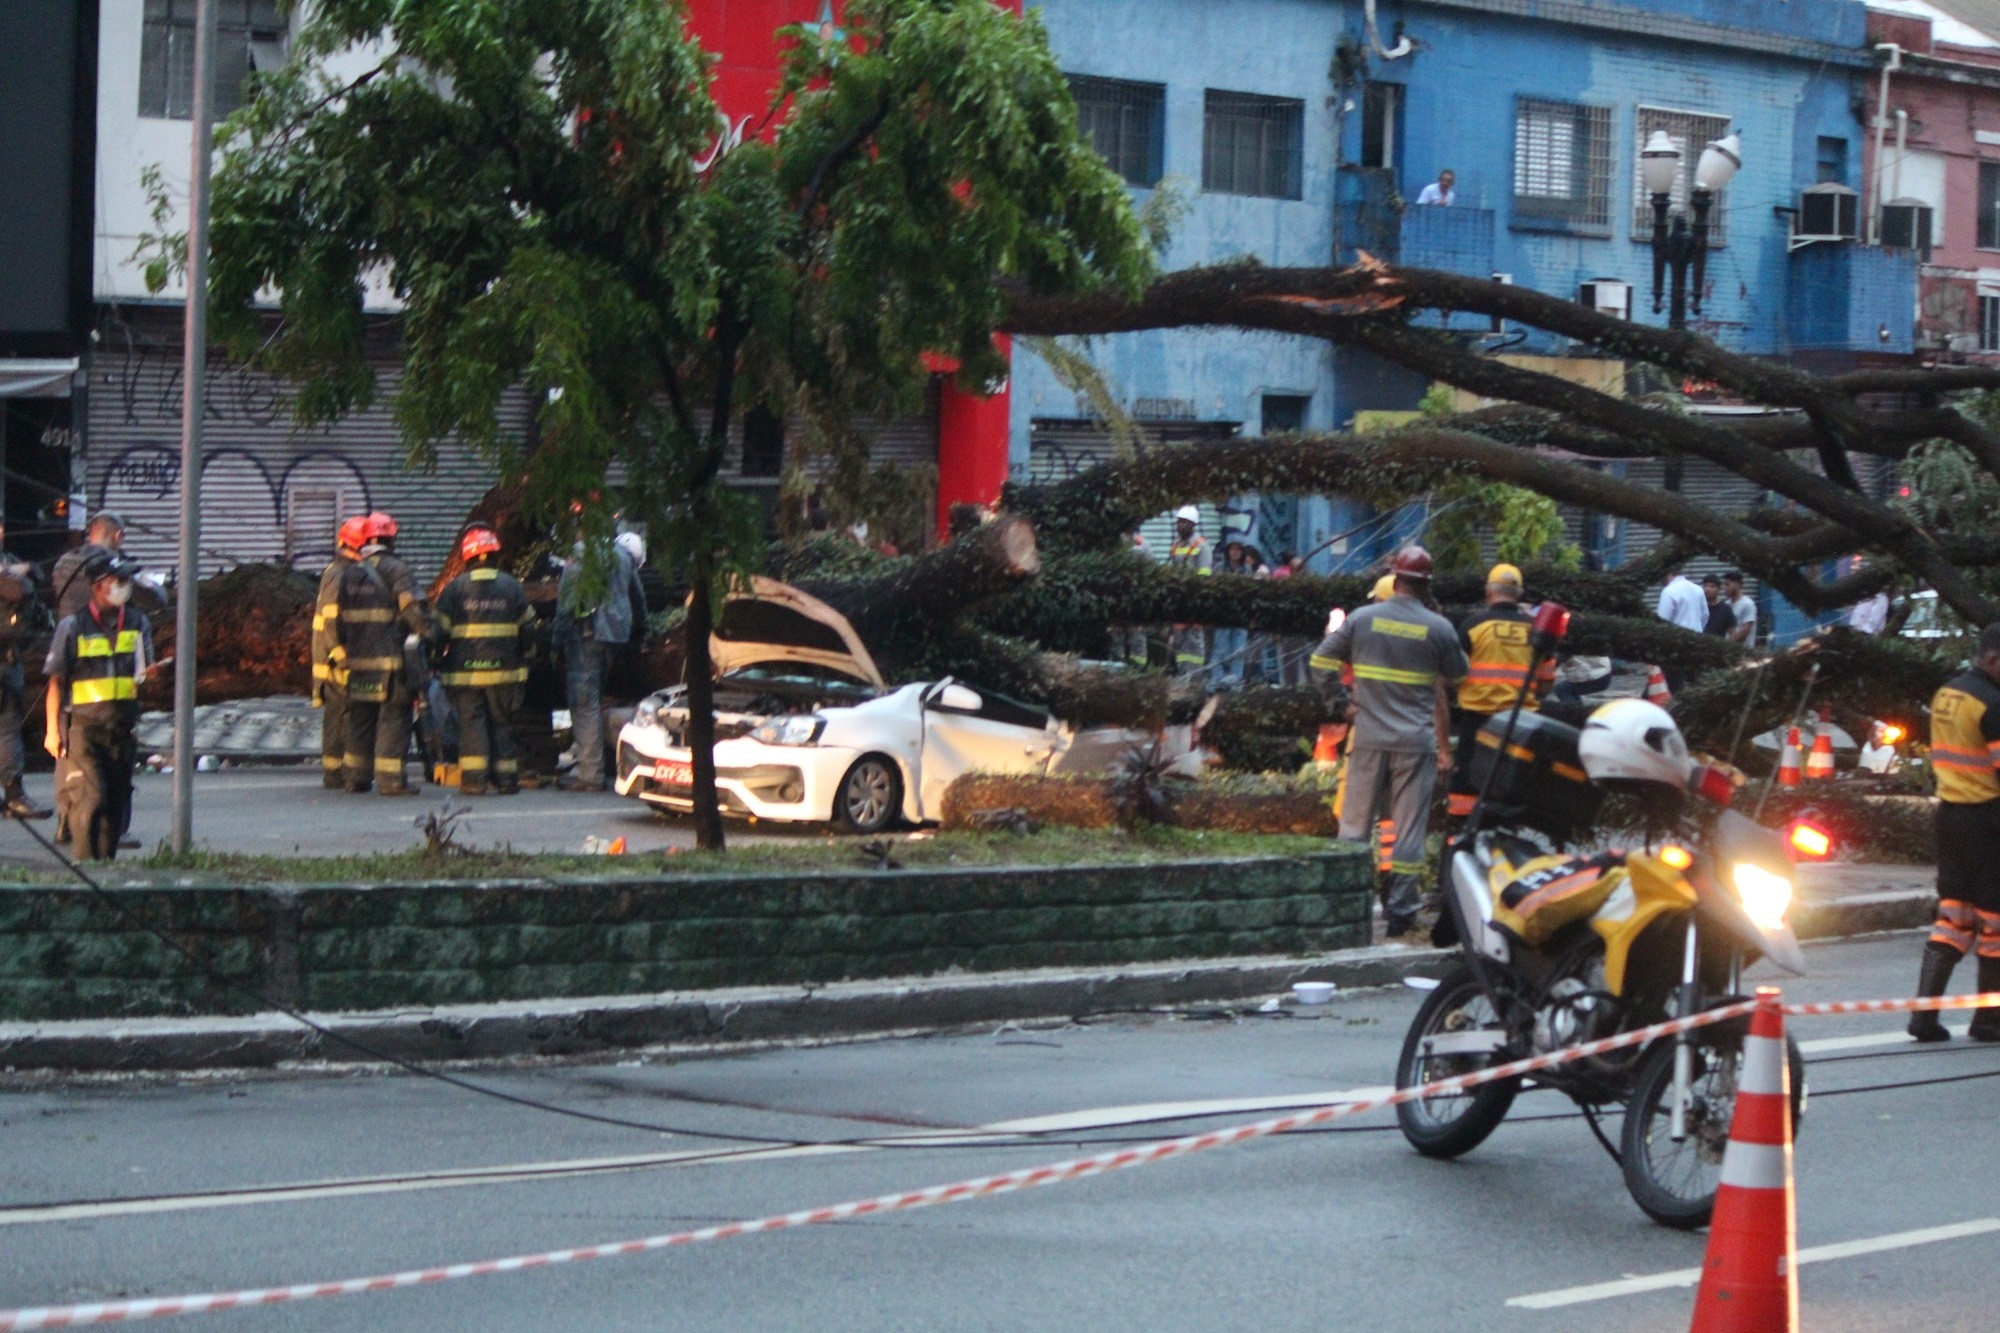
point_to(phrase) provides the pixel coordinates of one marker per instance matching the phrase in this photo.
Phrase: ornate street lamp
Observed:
(1678, 249)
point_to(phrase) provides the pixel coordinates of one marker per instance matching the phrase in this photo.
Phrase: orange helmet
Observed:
(378, 525)
(353, 533)
(1412, 562)
(478, 542)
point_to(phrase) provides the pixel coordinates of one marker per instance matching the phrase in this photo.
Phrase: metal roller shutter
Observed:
(1062, 448)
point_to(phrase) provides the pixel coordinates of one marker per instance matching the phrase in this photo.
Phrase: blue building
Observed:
(1296, 140)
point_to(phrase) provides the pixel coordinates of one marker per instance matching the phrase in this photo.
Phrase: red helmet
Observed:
(1412, 562)
(353, 533)
(478, 542)
(378, 525)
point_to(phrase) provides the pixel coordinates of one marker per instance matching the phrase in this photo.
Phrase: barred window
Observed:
(1691, 132)
(1253, 145)
(1126, 123)
(1989, 323)
(250, 36)
(1989, 206)
(1562, 163)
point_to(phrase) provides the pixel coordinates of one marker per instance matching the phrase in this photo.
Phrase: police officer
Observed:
(377, 611)
(95, 665)
(17, 607)
(1965, 750)
(1403, 655)
(329, 669)
(1189, 551)
(481, 617)
(1495, 643)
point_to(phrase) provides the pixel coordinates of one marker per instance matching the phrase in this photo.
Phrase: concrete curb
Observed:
(768, 1015)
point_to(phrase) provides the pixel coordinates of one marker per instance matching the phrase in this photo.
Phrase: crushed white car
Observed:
(807, 730)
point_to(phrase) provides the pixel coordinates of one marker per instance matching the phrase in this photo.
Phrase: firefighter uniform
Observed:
(376, 608)
(1495, 642)
(329, 671)
(482, 616)
(94, 662)
(1965, 750)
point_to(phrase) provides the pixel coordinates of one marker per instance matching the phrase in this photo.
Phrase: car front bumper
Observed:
(752, 779)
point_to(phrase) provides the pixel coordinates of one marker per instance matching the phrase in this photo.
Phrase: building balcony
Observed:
(1844, 297)
(1372, 218)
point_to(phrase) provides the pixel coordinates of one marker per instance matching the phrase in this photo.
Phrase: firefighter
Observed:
(329, 669)
(482, 616)
(1189, 551)
(1965, 750)
(95, 666)
(1403, 655)
(377, 611)
(1495, 643)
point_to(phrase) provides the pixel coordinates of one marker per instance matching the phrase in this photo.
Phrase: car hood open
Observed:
(775, 622)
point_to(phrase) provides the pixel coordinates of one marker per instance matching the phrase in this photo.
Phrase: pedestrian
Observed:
(1965, 749)
(1870, 615)
(1404, 656)
(329, 669)
(1721, 619)
(1682, 603)
(1229, 645)
(17, 609)
(1189, 551)
(589, 633)
(377, 614)
(96, 663)
(103, 535)
(1742, 606)
(482, 617)
(1495, 643)
(1133, 642)
(1440, 191)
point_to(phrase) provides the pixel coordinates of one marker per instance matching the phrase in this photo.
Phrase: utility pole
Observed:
(194, 380)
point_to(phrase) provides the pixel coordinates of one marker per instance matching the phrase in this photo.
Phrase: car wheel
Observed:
(869, 797)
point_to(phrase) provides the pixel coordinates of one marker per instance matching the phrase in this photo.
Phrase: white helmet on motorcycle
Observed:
(1630, 740)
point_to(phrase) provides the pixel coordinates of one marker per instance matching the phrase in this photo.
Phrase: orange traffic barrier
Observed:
(1788, 760)
(1819, 764)
(1749, 1276)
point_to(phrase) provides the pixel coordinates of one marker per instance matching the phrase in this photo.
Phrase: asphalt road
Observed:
(1313, 1231)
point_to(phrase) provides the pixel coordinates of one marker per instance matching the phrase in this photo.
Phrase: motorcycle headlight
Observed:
(1765, 894)
(648, 712)
(800, 730)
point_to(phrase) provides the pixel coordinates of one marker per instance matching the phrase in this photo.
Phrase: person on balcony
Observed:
(1440, 190)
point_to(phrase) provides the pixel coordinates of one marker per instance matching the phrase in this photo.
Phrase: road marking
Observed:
(999, 1134)
(1862, 1040)
(1687, 1277)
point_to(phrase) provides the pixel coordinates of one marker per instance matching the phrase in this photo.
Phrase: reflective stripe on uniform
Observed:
(1393, 675)
(472, 763)
(1319, 663)
(485, 629)
(1402, 629)
(389, 765)
(102, 689)
(366, 664)
(482, 679)
(484, 575)
(369, 615)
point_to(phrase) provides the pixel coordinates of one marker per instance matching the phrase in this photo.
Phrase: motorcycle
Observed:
(1560, 944)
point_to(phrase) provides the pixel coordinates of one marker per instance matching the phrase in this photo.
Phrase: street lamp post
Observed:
(1677, 247)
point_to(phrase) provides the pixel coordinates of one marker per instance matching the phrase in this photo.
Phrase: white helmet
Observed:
(1631, 740)
(1188, 512)
(634, 545)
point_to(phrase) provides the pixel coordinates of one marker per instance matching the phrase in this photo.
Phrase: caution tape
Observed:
(1934, 1003)
(1008, 1182)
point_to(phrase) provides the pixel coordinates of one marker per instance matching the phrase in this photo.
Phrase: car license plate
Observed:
(673, 774)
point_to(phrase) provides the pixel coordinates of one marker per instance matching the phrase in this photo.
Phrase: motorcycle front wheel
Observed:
(1675, 1182)
(1451, 1124)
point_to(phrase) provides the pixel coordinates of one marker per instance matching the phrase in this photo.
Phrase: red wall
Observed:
(972, 429)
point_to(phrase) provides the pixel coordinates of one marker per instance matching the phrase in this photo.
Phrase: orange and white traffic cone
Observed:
(1749, 1277)
(1819, 764)
(1788, 760)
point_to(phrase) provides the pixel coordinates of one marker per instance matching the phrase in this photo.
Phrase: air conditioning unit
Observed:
(1906, 225)
(1607, 296)
(1829, 212)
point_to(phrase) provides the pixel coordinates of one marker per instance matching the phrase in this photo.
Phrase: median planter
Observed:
(979, 799)
(68, 954)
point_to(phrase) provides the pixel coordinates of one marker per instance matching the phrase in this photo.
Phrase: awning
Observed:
(47, 377)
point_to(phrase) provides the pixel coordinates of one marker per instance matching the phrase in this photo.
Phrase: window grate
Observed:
(1126, 123)
(1989, 205)
(250, 37)
(1562, 162)
(1989, 323)
(1690, 132)
(1253, 145)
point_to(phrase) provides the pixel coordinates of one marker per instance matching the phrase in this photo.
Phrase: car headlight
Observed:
(1764, 894)
(648, 712)
(798, 730)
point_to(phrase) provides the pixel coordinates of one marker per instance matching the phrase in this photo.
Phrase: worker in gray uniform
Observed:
(1404, 656)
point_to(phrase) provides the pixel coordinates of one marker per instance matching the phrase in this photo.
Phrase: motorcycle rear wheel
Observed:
(1450, 1126)
(1674, 1183)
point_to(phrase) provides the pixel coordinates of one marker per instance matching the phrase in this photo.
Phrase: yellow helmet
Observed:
(1504, 573)
(1384, 589)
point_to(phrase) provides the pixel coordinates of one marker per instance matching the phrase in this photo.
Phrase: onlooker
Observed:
(1681, 603)
(1229, 645)
(589, 634)
(1721, 620)
(17, 596)
(1742, 605)
(1870, 615)
(1440, 190)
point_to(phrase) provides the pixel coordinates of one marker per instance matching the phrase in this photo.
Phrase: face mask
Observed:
(121, 593)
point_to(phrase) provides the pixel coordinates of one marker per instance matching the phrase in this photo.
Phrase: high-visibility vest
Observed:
(105, 674)
(482, 613)
(1965, 715)
(1498, 652)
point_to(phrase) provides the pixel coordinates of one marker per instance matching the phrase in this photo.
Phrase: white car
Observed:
(807, 731)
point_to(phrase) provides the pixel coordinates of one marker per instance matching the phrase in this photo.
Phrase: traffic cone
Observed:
(1326, 746)
(1749, 1276)
(1819, 764)
(1656, 688)
(1788, 760)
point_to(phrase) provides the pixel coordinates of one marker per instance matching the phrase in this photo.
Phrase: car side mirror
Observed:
(959, 699)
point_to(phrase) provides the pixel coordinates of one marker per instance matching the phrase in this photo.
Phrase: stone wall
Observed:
(69, 954)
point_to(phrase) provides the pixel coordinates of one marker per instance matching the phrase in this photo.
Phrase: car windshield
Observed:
(796, 676)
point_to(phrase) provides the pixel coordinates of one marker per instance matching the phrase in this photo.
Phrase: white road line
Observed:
(998, 1134)
(1863, 1040)
(1687, 1277)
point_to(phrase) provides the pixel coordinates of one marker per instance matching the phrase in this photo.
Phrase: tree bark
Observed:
(911, 599)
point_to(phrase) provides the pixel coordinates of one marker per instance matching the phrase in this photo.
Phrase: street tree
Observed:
(548, 189)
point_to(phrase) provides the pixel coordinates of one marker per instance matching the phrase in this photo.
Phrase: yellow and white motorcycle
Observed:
(1563, 940)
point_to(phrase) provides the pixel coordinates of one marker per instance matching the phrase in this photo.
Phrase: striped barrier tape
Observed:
(1008, 1182)
(1934, 1003)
